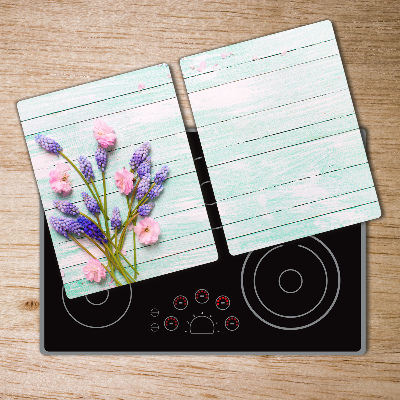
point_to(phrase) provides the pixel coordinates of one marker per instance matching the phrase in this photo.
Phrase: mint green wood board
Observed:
(151, 114)
(280, 137)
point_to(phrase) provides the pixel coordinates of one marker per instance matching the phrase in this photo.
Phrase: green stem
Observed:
(112, 259)
(105, 203)
(122, 237)
(134, 248)
(126, 275)
(133, 195)
(119, 252)
(98, 198)
(137, 206)
(118, 283)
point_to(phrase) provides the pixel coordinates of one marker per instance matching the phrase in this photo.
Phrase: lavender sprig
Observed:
(91, 203)
(139, 155)
(86, 168)
(116, 220)
(48, 144)
(143, 187)
(66, 207)
(145, 209)
(161, 175)
(144, 167)
(155, 191)
(65, 225)
(101, 158)
(90, 229)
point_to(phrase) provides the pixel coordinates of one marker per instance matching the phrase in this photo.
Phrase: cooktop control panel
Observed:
(197, 313)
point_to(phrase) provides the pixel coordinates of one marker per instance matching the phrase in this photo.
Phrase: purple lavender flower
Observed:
(145, 209)
(143, 187)
(48, 144)
(139, 155)
(65, 225)
(91, 203)
(116, 221)
(86, 168)
(90, 229)
(66, 207)
(155, 191)
(161, 175)
(144, 167)
(101, 158)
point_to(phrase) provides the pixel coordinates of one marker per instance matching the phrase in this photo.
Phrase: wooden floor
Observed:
(49, 45)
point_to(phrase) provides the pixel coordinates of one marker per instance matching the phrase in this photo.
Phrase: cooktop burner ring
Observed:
(255, 303)
(280, 280)
(290, 269)
(92, 304)
(101, 303)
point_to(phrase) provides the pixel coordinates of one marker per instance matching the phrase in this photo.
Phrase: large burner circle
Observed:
(99, 310)
(291, 286)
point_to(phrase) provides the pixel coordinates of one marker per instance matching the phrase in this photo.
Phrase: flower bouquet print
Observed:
(117, 181)
(133, 183)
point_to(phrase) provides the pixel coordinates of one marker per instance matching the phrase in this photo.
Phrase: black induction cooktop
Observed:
(303, 297)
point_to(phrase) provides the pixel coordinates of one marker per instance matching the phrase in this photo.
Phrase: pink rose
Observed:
(147, 230)
(94, 271)
(141, 86)
(124, 180)
(103, 133)
(59, 179)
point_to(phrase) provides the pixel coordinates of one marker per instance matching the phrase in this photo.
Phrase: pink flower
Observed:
(103, 133)
(224, 55)
(141, 86)
(59, 179)
(201, 67)
(147, 230)
(94, 271)
(124, 180)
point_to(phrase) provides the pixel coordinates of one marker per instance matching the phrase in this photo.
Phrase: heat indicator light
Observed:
(202, 296)
(180, 302)
(231, 323)
(222, 302)
(171, 323)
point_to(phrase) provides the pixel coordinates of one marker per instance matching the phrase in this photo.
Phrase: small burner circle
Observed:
(98, 304)
(290, 279)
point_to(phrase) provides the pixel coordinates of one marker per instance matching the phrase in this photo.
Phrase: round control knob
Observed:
(180, 302)
(231, 323)
(222, 302)
(202, 296)
(154, 327)
(171, 323)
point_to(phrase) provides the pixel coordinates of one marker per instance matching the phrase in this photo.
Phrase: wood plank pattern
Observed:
(137, 115)
(49, 45)
(243, 96)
